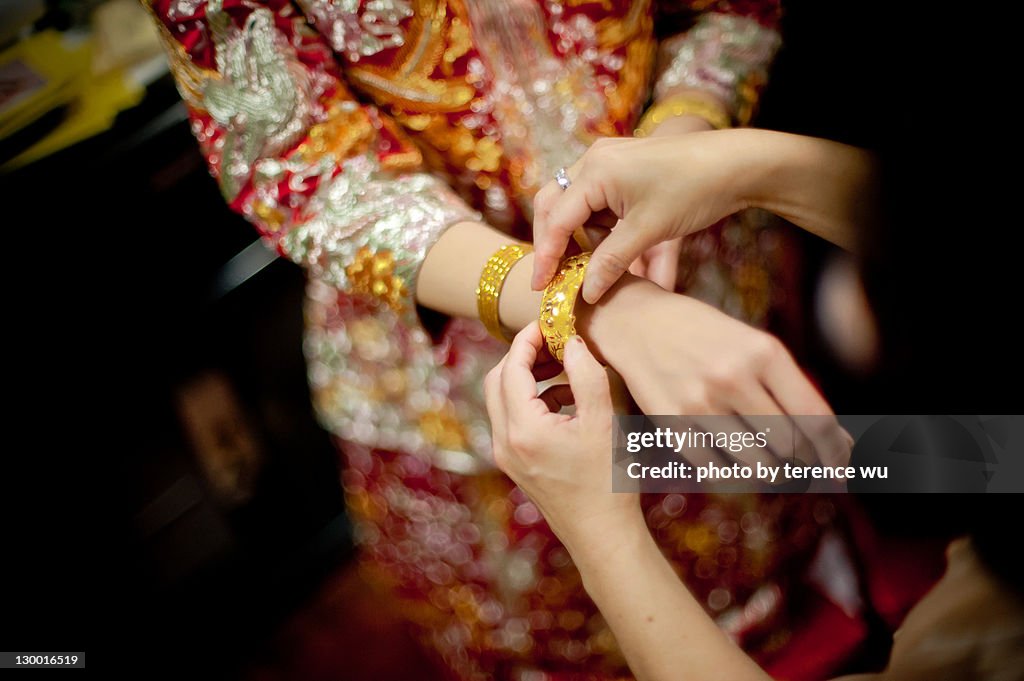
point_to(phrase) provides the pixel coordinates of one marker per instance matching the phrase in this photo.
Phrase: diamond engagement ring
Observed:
(562, 178)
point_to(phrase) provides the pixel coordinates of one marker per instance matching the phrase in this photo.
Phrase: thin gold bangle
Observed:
(492, 278)
(681, 106)
(558, 304)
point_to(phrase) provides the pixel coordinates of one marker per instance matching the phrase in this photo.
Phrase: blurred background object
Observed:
(179, 501)
(58, 87)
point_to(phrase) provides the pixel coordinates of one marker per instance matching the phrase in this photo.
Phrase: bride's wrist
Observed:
(620, 314)
(518, 303)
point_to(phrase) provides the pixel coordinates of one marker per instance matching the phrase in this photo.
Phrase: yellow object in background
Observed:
(38, 74)
(91, 113)
(97, 75)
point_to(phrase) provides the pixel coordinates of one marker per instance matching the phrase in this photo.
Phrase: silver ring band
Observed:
(562, 178)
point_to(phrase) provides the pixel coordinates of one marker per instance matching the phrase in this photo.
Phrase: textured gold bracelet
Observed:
(557, 306)
(492, 278)
(681, 106)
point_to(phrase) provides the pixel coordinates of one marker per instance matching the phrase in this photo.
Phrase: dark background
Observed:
(117, 533)
(113, 542)
(927, 86)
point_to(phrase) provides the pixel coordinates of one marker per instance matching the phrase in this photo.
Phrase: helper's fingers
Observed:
(742, 446)
(569, 212)
(603, 219)
(546, 366)
(808, 409)
(517, 382)
(519, 389)
(612, 258)
(547, 247)
(638, 268)
(588, 381)
(791, 388)
(762, 414)
(558, 396)
(495, 404)
(663, 264)
(598, 234)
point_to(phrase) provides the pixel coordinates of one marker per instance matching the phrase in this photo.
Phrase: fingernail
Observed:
(572, 346)
(590, 289)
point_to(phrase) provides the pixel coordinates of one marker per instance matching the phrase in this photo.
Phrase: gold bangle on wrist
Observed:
(557, 305)
(681, 106)
(492, 278)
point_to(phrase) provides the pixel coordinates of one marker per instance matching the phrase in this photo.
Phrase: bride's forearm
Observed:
(625, 310)
(451, 271)
(827, 188)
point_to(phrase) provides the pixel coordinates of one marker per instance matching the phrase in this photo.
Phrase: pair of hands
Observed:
(563, 462)
(676, 355)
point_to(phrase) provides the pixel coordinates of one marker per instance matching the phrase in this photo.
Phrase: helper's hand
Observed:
(660, 262)
(562, 462)
(657, 188)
